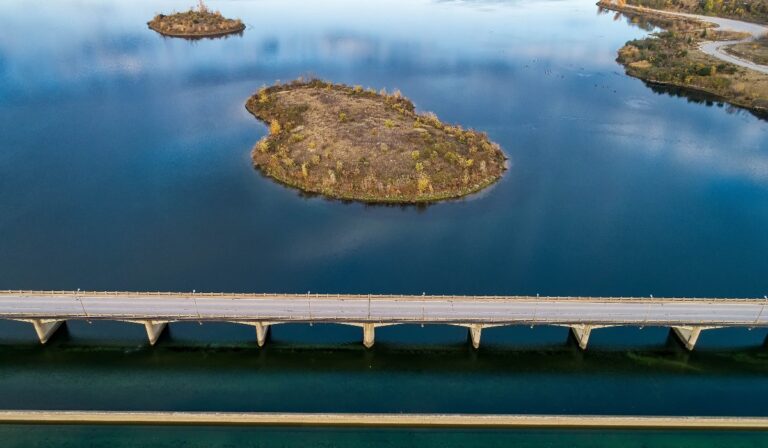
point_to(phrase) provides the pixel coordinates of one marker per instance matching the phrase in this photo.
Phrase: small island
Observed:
(351, 143)
(196, 23)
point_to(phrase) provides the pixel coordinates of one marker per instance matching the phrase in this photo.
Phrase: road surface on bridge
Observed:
(383, 309)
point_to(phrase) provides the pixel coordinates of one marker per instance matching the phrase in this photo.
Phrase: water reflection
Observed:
(124, 161)
(692, 95)
(699, 97)
(124, 164)
(197, 38)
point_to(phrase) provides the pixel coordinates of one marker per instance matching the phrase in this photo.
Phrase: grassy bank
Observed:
(750, 11)
(351, 143)
(672, 57)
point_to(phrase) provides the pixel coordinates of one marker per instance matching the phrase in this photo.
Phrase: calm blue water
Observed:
(124, 165)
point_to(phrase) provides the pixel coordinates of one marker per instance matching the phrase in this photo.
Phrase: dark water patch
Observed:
(388, 378)
(217, 437)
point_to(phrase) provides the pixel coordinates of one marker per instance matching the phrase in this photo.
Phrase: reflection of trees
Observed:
(698, 97)
(637, 21)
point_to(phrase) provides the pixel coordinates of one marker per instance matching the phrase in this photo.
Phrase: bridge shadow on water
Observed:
(431, 348)
(325, 368)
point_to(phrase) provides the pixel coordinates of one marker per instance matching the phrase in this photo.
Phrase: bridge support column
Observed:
(369, 330)
(688, 335)
(475, 331)
(581, 333)
(262, 331)
(368, 335)
(154, 330)
(45, 328)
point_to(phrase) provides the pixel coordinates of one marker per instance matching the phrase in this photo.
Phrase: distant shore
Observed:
(382, 420)
(675, 57)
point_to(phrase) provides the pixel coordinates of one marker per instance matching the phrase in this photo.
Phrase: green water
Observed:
(210, 437)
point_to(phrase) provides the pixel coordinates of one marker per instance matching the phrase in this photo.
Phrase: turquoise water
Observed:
(124, 165)
(118, 437)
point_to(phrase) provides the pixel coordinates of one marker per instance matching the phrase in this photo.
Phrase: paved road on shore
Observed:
(717, 49)
(379, 420)
(381, 309)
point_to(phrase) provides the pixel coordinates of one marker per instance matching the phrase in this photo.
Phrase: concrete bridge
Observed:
(47, 310)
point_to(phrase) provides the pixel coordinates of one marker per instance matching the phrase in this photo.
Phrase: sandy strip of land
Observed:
(374, 420)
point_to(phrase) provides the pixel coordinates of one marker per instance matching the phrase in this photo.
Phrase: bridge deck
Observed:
(382, 308)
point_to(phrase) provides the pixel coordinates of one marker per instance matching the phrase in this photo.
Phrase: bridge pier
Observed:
(154, 328)
(369, 331)
(582, 332)
(45, 328)
(689, 335)
(368, 335)
(262, 330)
(475, 331)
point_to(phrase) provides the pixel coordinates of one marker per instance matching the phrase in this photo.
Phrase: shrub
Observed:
(274, 127)
(423, 184)
(263, 97)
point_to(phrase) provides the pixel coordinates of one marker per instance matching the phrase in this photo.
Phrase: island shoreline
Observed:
(239, 30)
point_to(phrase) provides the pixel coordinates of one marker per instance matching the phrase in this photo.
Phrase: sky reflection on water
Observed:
(124, 156)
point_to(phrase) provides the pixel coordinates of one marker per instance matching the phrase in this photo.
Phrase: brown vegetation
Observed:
(672, 57)
(749, 10)
(349, 143)
(755, 51)
(195, 23)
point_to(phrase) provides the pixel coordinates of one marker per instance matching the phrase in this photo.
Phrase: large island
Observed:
(351, 143)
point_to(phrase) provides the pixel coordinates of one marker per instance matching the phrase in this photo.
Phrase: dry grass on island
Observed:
(672, 58)
(355, 144)
(196, 23)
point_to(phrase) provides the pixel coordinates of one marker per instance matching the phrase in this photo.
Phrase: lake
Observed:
(125, 165)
